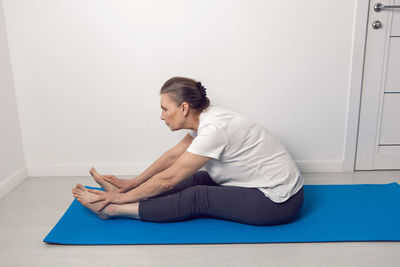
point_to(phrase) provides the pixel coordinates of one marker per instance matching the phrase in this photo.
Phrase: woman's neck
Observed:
(193, 121)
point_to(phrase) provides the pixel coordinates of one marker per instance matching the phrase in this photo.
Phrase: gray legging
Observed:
(198, 195)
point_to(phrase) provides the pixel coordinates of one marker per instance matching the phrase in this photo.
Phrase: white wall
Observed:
(87, 75)
(12, 162)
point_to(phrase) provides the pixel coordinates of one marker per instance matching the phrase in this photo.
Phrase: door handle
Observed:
(379, 7)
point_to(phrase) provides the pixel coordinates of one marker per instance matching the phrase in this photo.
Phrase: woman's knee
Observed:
(196, 192)
(197, 198)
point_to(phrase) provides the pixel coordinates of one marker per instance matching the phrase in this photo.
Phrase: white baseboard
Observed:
(137, 168)
(320, 166)
(12, 181)
(83, 169)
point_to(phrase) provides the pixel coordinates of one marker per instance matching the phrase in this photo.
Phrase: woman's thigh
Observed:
(244, 205)
(250, 206)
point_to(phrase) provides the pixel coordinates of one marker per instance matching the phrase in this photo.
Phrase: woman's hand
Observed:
(111, 197)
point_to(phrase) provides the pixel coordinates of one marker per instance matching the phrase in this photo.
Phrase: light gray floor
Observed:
(31, 210)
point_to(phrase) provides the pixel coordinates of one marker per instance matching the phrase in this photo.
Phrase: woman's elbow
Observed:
(168, 185)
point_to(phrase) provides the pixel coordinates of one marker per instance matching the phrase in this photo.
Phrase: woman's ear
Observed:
(185, 109)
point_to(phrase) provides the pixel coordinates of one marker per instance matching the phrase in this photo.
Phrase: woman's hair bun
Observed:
(202, 89)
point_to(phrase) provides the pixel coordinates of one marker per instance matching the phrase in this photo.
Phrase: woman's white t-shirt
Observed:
(245, 154)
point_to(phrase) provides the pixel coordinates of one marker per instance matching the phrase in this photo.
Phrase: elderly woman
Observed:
(249, 176)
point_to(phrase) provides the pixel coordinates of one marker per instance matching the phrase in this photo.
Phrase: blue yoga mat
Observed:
(330, 213)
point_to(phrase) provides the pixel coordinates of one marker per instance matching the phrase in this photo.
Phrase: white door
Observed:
(378, 145)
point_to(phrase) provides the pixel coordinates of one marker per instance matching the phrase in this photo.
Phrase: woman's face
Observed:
(171, 113)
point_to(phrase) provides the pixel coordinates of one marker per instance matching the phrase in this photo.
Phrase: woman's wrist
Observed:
(125, 198)
(129, 184)
(120, 198)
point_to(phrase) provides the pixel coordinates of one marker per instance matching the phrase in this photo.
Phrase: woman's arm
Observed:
(162, 163)
(187, 164)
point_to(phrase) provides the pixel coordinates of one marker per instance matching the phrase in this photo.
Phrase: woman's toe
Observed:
(81, 187)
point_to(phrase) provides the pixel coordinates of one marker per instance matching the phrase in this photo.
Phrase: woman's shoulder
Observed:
(222, 118)
(217, 112)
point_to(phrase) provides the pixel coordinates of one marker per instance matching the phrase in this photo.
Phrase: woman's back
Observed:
(245, 154)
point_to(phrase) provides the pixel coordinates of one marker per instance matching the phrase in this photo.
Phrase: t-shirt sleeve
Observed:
(209, 142)
(192, 133)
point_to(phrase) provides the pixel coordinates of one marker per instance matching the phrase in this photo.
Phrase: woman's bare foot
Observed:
(85, 197)
(100, 180)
